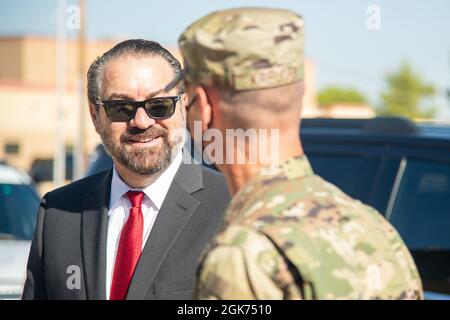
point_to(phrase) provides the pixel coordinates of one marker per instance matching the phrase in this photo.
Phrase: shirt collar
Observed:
(156, 191)
(293, 168)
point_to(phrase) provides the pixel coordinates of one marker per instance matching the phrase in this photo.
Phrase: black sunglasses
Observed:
(124, 110)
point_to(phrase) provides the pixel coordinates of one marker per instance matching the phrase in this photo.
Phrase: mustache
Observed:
(133, 134)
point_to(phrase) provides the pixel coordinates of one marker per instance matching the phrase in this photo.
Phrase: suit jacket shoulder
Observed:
(73, 193)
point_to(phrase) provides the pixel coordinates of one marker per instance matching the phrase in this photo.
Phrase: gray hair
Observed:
(128, 47)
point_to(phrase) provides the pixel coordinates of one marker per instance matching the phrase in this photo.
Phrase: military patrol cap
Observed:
(244, 49)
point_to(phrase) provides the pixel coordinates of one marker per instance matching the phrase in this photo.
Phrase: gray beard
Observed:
(147, 161)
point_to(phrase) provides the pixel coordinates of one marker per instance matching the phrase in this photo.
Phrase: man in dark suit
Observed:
(137, 230)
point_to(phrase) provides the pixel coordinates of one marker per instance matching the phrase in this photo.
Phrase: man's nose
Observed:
(141, 119)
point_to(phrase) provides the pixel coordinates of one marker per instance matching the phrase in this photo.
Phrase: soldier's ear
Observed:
(205, 107)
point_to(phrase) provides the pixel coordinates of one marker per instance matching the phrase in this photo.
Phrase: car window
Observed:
(18, 209)
(421, 212)
(352, 174)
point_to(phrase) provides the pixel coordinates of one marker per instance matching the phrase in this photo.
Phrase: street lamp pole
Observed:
(80, 156)
(59, 167)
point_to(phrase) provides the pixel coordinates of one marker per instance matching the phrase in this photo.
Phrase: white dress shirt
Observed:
(119, 210)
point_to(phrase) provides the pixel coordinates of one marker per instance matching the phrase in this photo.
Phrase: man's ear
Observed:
(185, 99)
(205, 107)
(93, 110)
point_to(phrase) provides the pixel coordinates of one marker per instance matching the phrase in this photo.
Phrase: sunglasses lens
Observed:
(119, 110)
(160, 108)
(123, 110)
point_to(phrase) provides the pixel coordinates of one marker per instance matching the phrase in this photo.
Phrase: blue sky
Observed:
(345, 51)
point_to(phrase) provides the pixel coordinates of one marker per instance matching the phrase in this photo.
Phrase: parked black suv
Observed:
(402, 169)
(395, 165)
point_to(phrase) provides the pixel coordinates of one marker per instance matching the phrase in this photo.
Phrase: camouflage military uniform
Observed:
(292, 235)
(288, 234)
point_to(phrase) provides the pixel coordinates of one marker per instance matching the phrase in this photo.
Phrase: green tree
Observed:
(405, 94)
(337, 95)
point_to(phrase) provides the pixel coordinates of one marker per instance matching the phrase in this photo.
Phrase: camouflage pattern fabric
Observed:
(292, 235)
(244, 48)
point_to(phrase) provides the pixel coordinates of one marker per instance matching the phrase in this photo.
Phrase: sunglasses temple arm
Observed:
(172, 84)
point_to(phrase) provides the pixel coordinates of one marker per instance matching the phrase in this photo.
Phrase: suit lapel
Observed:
(175, 212)
(94, 229)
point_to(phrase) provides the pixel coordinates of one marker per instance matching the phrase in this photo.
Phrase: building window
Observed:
(12, 148)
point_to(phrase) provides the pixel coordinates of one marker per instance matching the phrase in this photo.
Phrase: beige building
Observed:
(28, 98)
(342, 110)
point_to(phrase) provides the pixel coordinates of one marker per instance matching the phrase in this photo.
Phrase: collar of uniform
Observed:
(293, 168)
(156, 191)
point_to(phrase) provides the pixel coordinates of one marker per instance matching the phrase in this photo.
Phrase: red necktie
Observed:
(130, 247)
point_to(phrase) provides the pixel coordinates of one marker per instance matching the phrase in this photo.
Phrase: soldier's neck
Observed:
(237, 175)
